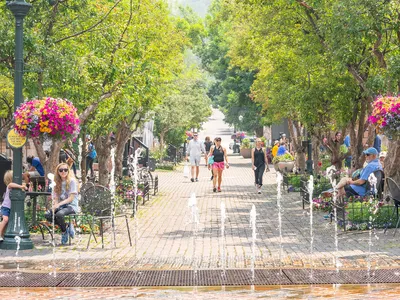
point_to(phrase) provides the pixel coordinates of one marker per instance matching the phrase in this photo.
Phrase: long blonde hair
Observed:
(8, 177)
(58, 180)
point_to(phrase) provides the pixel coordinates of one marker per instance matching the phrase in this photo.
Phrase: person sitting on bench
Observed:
(35, 170)
(358, 187)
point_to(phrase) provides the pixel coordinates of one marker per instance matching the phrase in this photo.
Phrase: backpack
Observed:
(93, 154)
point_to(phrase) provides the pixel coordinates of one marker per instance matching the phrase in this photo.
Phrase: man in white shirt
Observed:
(195, 151)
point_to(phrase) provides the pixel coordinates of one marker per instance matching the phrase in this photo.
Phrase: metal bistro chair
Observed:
(84, 187)
(394, 194)
(379, 185)
(96, 202)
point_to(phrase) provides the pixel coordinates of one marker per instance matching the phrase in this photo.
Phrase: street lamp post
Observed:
(17, 225)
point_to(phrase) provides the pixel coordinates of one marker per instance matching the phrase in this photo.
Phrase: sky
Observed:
(199, 6)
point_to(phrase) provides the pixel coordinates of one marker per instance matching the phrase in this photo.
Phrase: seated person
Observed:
(36, 169)
(350, 187)
(282, 149)
(382, 157)
(65, 200)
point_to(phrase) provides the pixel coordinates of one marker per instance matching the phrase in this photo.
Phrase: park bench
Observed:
(346, 205)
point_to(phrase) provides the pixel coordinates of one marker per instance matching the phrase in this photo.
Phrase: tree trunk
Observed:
(49, 163)
(392, 161)
(259, 131)
(83, 158)
(121, 138)
(295, 130)
(103, 149)
(316, 144)
(162, 137)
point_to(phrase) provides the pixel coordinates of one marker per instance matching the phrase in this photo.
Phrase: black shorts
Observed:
(349, 191)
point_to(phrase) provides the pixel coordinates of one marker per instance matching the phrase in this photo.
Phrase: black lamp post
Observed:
(17, 225)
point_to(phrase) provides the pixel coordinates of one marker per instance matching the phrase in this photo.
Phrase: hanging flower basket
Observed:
(386, 116)
(47, 118)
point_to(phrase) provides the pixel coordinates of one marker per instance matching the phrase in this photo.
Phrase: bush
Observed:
(157, 154)
(245, 143)
(285, 157)
(295, 181)
(360, 213)
(165, 166)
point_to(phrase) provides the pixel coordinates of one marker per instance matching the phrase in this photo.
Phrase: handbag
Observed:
(186, 171)
(211, 160)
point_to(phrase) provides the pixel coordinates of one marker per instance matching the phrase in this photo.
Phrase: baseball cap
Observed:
(195, 133)
(371, 150)
(276, 142)
(382, 154)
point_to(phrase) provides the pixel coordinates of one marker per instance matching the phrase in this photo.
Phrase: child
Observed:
(6, 205)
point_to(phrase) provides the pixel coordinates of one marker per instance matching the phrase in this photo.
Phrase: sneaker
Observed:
(64, 238)
(1, 239)
(259, 191)
(212, 177)
(214, 190)
(71, 230)
(197, 179)
(192, 179)
(219, 189)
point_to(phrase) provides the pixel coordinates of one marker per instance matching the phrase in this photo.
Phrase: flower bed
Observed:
(125, 190)
(292, 182)
(359, 213)
(320, 184)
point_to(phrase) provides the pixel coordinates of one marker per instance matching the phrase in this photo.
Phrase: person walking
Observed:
(195, 149)
(207, 146)
(219, 156)
(259, 163)
(90, 157)
(65, 200)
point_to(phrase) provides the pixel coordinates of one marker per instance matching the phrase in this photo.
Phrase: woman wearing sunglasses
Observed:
(219, 155)
(65, 200)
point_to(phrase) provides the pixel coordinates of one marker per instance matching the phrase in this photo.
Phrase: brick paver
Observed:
(163, 234)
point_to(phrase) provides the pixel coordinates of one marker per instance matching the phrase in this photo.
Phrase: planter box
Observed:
(245, 152)
(284, 166)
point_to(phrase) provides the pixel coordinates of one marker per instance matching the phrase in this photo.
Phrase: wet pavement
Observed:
(163, 232)
(343, 292)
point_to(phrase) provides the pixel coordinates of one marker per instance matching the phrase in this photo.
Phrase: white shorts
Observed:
(195, 161)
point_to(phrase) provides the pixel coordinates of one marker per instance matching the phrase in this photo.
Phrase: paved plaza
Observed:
(165, 237)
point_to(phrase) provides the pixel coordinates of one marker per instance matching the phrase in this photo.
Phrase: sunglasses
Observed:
(367, 154)
(62, 170)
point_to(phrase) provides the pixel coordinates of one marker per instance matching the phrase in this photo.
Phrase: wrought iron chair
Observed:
(97, 203)
(379, 185)
(394, 194)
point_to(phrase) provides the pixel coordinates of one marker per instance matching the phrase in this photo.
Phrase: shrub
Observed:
(285, 157)
(245, 143)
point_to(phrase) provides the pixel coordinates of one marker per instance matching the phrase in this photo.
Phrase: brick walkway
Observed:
(164, 233)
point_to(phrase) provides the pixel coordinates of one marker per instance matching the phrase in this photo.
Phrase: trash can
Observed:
(5, 164)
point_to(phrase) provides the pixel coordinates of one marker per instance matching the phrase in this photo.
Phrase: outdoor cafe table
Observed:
(33, 196)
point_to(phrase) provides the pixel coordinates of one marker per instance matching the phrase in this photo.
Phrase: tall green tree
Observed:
(185, 105)
(231, 87)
